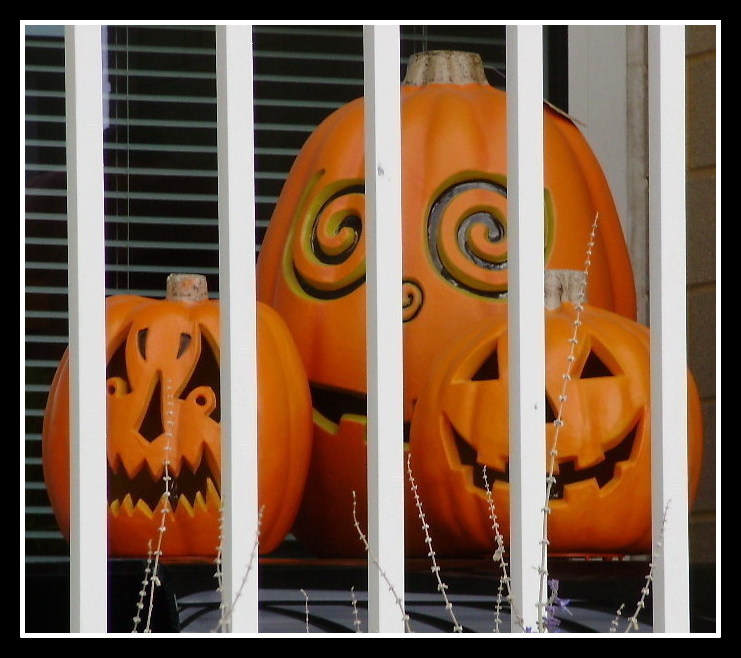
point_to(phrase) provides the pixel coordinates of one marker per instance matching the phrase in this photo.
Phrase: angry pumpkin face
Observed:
(164, 434)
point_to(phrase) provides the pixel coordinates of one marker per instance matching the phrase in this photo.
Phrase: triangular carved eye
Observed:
(595, 367)
(488, 370)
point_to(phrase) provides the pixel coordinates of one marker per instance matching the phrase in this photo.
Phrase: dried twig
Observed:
(143, 591)
(226, 611)
(306, 609)
(441, 587)
(355, 615)
(151, 579)
(364, 539)
(558, 423)
(504, 580)
(633, 619)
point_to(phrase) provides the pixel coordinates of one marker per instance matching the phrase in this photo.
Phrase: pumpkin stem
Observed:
(564, 286)
(445, 67)
(186, 288)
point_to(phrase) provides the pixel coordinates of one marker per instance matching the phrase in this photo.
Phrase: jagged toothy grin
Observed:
(603, 472)
(190, 488)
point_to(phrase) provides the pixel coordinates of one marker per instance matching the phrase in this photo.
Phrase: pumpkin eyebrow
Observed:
(184, 342)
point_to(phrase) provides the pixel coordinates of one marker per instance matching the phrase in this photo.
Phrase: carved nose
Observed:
(151, 425)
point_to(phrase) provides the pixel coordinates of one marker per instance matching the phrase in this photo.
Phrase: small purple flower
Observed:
(551, 622)
(554, 604)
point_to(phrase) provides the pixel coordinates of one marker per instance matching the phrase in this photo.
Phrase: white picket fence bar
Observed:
(88, 514)
(88, 550)
(235, 127)
(667, 286)
(386, 479)
(525, 249)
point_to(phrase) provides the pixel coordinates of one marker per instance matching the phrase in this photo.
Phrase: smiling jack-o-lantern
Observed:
(311, 266)
(163, 403)
(601, 499)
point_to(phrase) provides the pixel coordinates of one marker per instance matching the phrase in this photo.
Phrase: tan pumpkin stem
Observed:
(445, 67)
(564, 286)
(186, 288)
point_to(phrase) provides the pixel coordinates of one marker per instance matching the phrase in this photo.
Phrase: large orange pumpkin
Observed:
(163, 397)
(601, 500)
(311, 266)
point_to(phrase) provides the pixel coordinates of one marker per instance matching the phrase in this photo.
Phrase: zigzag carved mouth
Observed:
(334, 403)
(603, 472)
(190, 487)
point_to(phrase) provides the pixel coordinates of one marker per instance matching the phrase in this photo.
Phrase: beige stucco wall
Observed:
(701, 267)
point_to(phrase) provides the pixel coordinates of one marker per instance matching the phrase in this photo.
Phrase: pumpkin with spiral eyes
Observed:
(311, 266)
(163, 405)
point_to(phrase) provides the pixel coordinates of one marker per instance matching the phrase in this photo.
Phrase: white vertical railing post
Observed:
(384, 327)
(526, 331)
(667, 254)
(238, 326)
(87, 354)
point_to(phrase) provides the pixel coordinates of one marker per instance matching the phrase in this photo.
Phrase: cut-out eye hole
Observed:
(116, 368)
(151, 425)
(141, 342)
(595, 367)
(116, 371)
(205, 373)
(488, 370)
(184, 342)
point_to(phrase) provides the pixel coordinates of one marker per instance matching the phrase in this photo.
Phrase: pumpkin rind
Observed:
(604, 451)
(155, 408)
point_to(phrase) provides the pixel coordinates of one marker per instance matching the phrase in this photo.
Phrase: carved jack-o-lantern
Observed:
(311, 266)
(601, 500)
(163, 400)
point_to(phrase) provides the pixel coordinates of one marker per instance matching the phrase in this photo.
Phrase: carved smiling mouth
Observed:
(603, 472)
(334, 403)
(192, 488)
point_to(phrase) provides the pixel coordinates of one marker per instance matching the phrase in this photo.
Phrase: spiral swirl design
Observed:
(467, 236)
(327, 246)
(412, 299)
